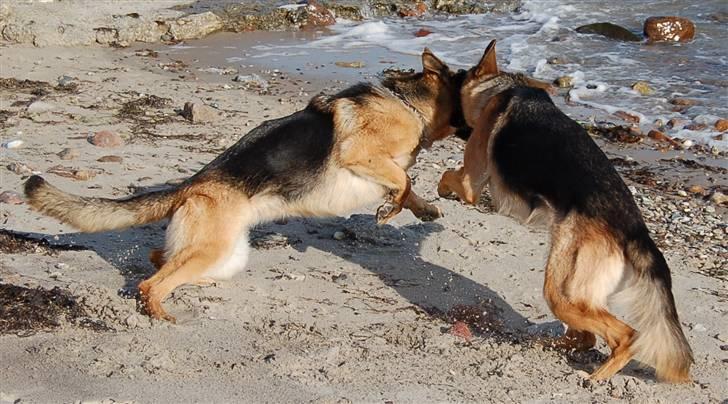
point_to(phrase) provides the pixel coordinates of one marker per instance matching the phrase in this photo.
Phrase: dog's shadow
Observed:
(394, 255)
(391, 253)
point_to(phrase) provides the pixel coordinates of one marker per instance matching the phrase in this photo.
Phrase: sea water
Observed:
(602, 70)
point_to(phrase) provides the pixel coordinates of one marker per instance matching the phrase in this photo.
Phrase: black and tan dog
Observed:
(340, 153)
(541, 166)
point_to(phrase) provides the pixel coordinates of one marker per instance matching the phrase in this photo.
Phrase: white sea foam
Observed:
(544, 29)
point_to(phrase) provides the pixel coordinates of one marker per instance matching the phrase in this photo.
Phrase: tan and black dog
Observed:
(541, 166)
(340, 153)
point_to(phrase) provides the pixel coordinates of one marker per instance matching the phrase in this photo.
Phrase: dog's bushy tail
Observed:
(99, 214)
(660, 341)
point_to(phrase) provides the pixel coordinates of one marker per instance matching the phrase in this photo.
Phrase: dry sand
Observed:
(362, 315)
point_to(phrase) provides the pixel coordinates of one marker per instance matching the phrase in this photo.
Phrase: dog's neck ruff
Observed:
(500, 83)
(424, 139)
(409, 105)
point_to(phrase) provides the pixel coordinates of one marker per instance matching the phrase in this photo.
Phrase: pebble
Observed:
(462, 330)
(68, 154)
(13, 144)
(724, 347)
(719, 198)
(69, 172)
(422, 32)
(40, 107)
(105, 138)
(110, 159)
(685, 102)
(557, 60)
(20, 169)
(132, 321)
(669, 29)
(698, 328)
(696, 189)
(339, 235)
(252, 79)
(675, 123)
(564, 82)
(199, 113)
(627, 116)
(64, 81)
(682, 193)
(295, 276)
(721, 125)
(353, 65)
(695, 126)
(642, 87)
(11, 198)
(722, 337)
(661, 137)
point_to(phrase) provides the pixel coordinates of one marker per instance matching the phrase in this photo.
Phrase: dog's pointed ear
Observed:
(432, 65)
(488, 63)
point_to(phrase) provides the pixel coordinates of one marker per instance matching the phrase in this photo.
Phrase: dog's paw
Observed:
(387, 211)
(429, 213)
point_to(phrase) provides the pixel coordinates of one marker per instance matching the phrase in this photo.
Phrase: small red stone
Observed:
(462, 330)
(422, 32)
(105, 138)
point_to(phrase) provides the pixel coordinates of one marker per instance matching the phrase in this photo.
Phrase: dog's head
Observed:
(434, 93)
(485, 80)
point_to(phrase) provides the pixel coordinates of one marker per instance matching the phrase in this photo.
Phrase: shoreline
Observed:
(366, 318)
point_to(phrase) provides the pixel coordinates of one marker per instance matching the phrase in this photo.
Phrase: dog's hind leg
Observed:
(573, 340)
(583, 270)
(201, 237)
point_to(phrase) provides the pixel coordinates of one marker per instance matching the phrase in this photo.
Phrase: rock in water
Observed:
(669, 29)
(642, 87)
(721, 125)
(609, 30)
(318, 15)
(564, 82)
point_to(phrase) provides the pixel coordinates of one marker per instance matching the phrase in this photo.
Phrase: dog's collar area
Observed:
(409, 105)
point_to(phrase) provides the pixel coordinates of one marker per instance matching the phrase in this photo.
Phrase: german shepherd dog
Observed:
(341, 152)
(541, 166)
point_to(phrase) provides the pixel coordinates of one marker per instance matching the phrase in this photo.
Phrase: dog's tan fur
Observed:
(587, 263)
(376, 138)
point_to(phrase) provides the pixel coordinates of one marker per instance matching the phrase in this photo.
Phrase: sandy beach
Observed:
(333, 310)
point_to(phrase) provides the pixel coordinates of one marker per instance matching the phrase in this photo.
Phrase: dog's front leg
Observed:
(424, 210)
(386, 172)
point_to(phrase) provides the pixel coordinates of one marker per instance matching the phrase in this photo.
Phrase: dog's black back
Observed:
(543, 154)
(285, 155)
